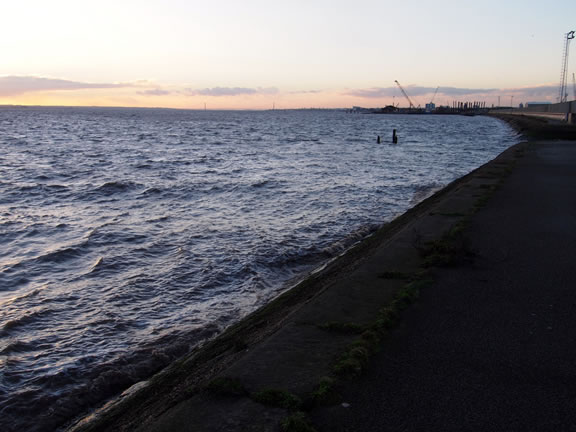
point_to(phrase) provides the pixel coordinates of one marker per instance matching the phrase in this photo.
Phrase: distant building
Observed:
(388, 109)
(537, 103)
(361, 109)
(430, 107)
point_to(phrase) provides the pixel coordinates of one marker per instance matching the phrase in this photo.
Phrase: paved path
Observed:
(492, 345)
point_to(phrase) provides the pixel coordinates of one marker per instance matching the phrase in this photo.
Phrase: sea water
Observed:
(129, 236)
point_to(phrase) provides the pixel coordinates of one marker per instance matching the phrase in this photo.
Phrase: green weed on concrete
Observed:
(355, 360)
(277, 398)
(324, 393)
(449, 250)
(297, 422)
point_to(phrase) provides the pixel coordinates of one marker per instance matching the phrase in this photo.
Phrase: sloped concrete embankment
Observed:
(268, 371)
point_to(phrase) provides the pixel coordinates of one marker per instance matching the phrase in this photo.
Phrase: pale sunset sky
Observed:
(252, 54)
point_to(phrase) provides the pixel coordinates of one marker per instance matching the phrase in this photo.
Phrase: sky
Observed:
(259, 54)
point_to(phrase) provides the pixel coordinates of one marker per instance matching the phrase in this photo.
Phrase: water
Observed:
(129, 236)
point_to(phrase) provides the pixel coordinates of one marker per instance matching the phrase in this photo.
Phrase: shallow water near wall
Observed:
(128, 236)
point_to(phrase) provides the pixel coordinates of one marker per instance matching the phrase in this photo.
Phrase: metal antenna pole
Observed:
(563, 94)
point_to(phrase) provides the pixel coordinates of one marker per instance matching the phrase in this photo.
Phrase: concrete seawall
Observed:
(307, 359)
(565, 112)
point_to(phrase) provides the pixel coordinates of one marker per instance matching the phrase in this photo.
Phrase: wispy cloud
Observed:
(374, 92)
(17, 85)
(457, 91)
(231, 91)
(306, 92)
(155, 92)
(537, 91)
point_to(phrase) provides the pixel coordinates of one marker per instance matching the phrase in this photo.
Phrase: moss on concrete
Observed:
(277, 398)
(297, 422)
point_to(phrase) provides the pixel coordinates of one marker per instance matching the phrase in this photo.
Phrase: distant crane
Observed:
(433, 97)
(563, 95)
(405, 95)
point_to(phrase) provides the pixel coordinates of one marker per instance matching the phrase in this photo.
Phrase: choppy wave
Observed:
(129, 236)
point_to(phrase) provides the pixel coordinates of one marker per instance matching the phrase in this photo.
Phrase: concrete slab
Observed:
(489, 346)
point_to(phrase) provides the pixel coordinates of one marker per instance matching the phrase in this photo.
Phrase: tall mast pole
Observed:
(563, 94)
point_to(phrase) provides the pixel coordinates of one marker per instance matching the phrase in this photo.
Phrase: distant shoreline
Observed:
(168, 108)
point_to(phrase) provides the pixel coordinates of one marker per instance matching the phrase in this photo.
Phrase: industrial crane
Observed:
(405, 95)
(434, 97)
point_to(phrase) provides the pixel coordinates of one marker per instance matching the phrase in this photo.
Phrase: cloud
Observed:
(155, 92)
(538, 91)
(374, 92)
(456, 91)
(230, 91)
(381, 92)
(306, 92)
(16, 85)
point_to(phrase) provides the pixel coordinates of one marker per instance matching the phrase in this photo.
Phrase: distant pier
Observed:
(565, 111)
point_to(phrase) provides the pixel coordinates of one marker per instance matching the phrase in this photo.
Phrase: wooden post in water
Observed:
(394, 137)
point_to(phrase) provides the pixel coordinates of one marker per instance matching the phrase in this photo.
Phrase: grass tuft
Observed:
(449, 250)
(387, 319)
(406, 296)
(324, 392)
(277, 398)
(297, 422)
(348, 367)
(355, 360)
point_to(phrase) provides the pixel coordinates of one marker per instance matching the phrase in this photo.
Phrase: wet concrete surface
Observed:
(491, 346)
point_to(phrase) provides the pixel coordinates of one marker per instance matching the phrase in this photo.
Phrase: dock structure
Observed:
(457, 107)
(564, 111)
